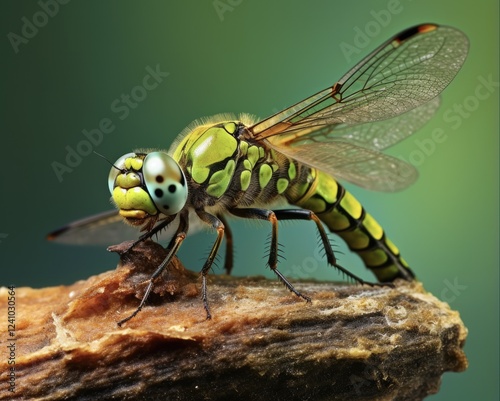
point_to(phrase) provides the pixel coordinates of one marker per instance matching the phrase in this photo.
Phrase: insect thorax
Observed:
(225, 167)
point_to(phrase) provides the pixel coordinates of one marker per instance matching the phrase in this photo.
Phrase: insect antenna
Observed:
(121, 170)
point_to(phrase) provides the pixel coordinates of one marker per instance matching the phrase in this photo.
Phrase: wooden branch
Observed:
(351, 343)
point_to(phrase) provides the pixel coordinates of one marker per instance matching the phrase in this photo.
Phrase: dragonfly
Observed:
(288, 166)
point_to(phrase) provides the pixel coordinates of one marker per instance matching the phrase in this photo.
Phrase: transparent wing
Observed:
(377, 135)
(351, 152)
(109, 228)
(364, 167)
(105, 228)
(403, 73)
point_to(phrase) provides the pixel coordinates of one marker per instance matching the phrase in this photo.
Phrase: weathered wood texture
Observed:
(351, 343)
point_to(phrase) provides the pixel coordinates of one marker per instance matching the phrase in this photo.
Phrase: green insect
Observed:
(241, 167)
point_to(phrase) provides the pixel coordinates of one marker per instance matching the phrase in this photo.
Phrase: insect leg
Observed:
(174, 246)
(303, 214)
(156, 229)
(269, 215)
(228, 259)
(219, 227)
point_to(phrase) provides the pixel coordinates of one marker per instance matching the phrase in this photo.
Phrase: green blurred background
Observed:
(256, 57)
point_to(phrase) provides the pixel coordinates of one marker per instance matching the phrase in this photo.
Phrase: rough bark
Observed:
(350, 343)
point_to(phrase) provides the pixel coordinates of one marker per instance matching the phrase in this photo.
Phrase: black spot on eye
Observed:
(172, 188)
(159, 179)
(166, 207)
(158, 193)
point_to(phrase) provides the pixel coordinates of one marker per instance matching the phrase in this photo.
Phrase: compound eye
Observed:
(120, 163)
(165, 182)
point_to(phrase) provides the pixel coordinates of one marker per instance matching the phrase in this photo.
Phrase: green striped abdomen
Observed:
(345, 216)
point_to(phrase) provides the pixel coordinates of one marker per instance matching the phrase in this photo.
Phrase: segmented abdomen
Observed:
(344, 215)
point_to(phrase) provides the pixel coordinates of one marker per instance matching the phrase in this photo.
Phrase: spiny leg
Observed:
(271, 216)
(174, 246)
(303, 214)
(228, 259)
(219, 227)
(156, 229)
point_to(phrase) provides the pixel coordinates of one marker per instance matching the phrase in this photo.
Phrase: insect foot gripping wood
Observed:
(351, 342)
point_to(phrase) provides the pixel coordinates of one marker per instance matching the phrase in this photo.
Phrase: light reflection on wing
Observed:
(377, 135)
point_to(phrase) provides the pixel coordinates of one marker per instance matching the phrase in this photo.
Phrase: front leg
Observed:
(174, 246)
(148, 234)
